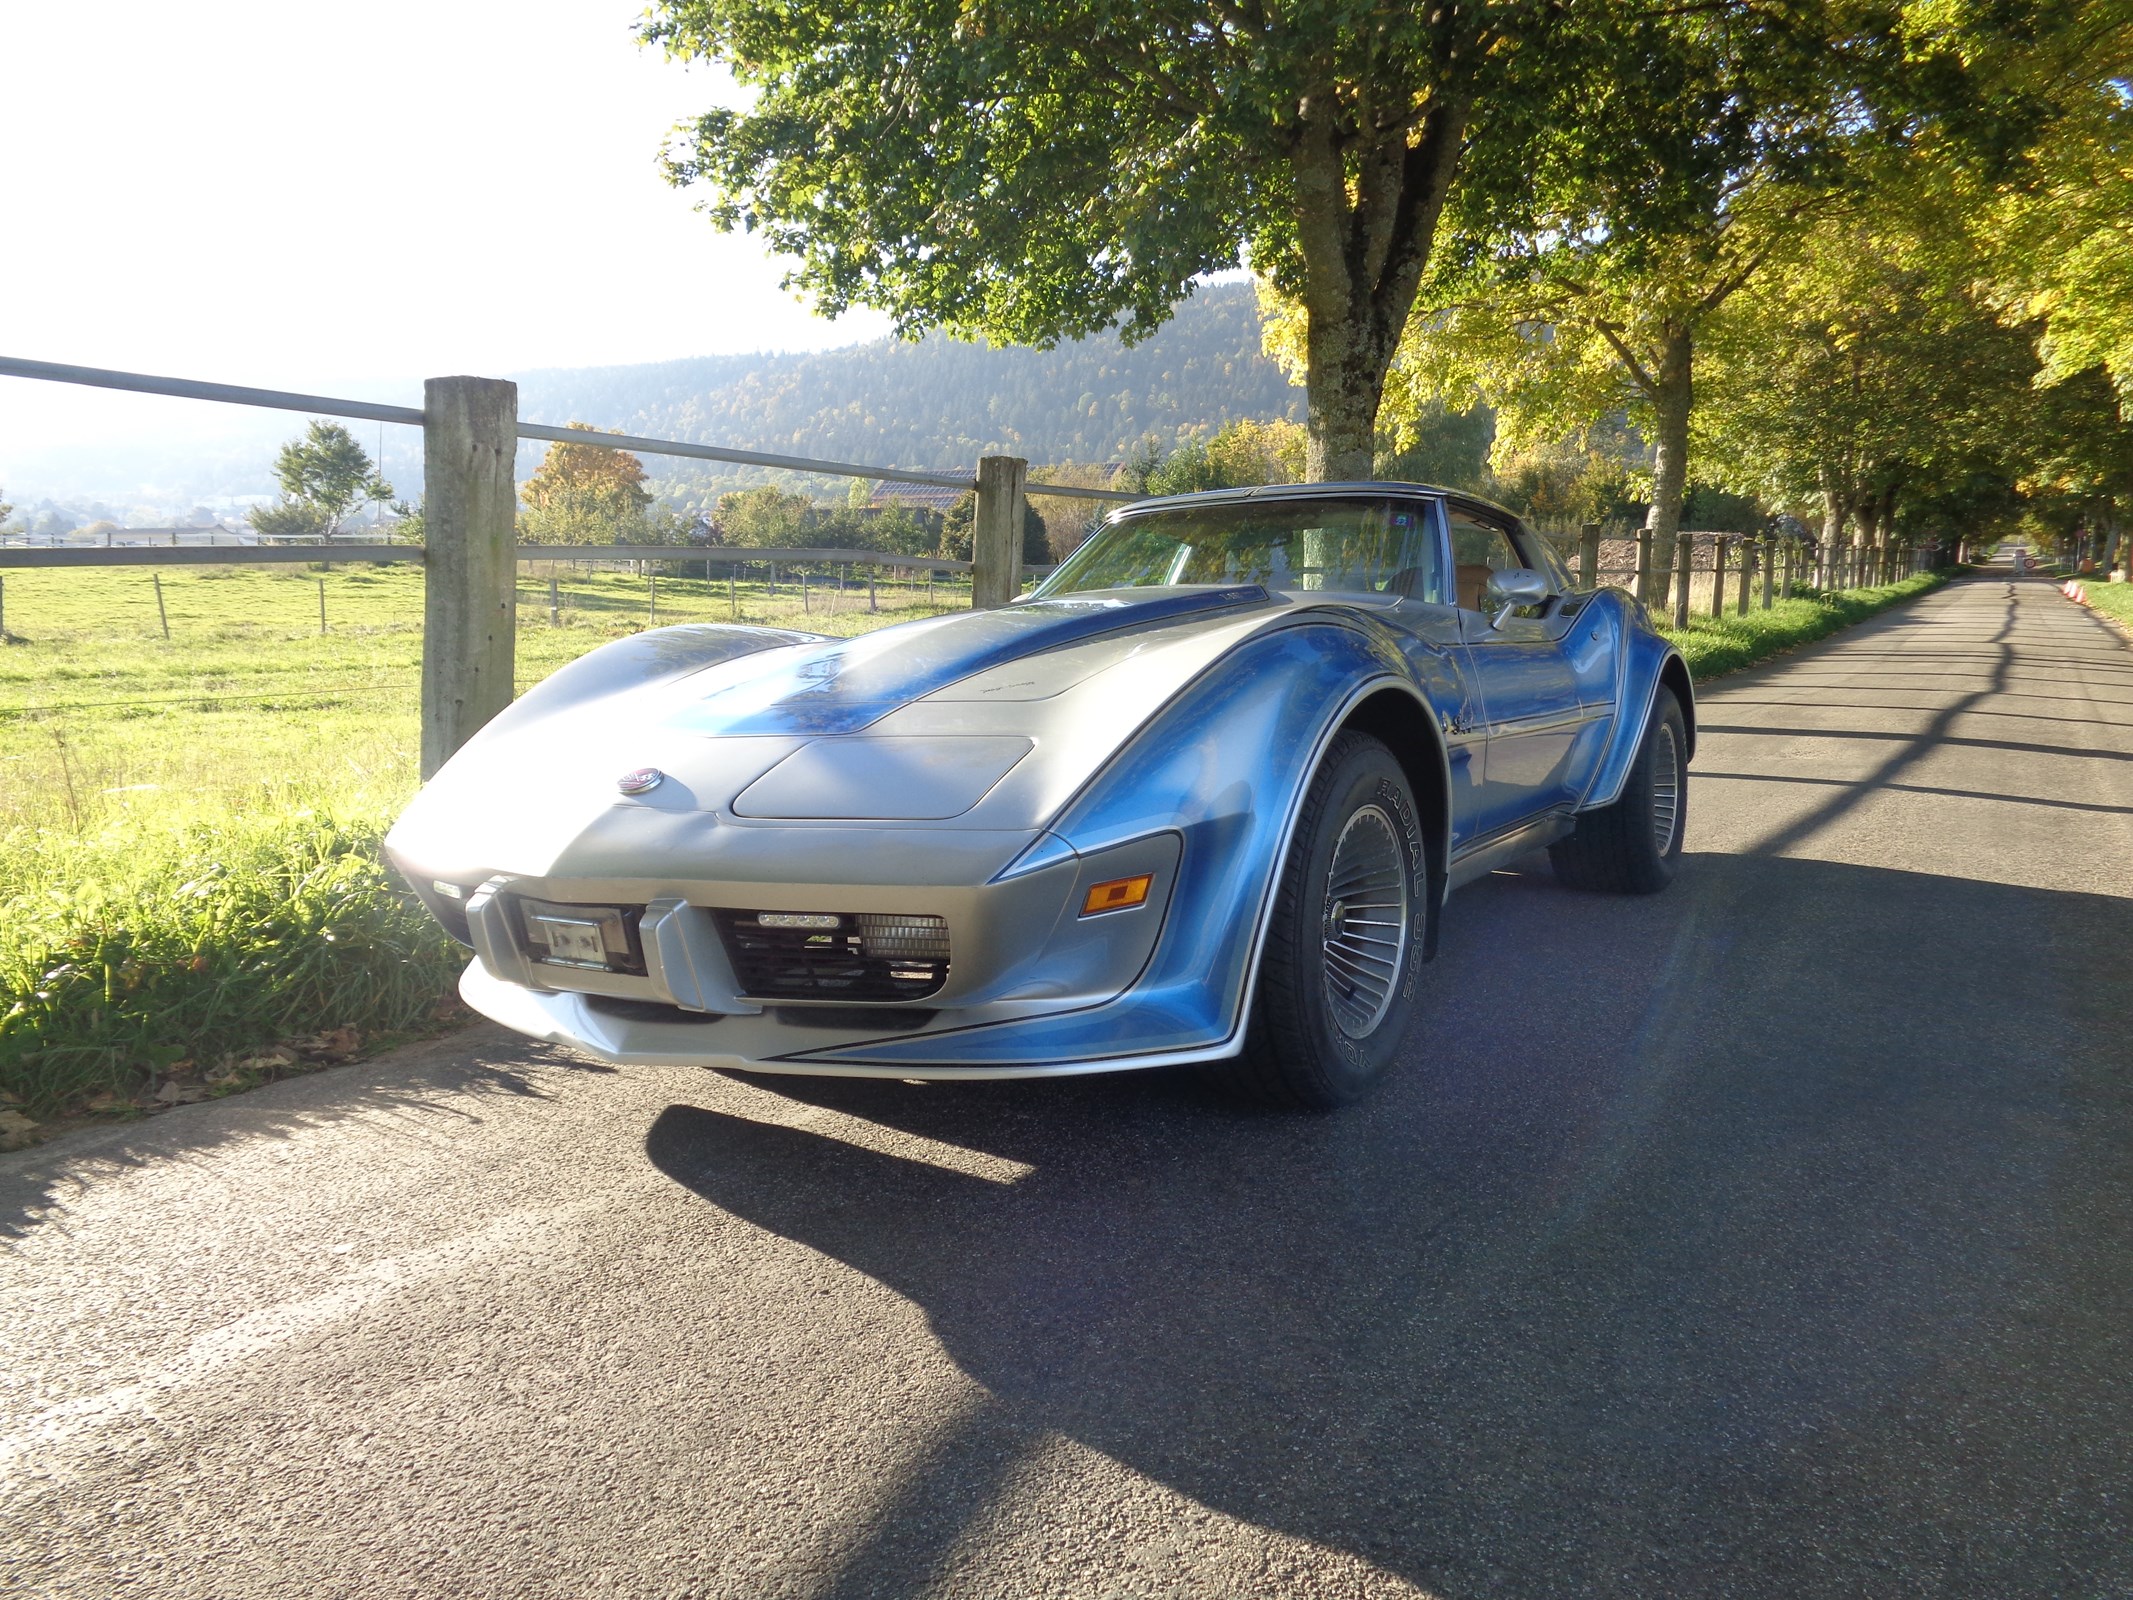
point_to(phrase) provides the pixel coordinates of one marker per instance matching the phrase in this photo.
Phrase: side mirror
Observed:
(1505, 592)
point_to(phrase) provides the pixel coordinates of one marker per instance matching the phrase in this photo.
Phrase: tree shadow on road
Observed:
(420, 1082)
(1766, 1251)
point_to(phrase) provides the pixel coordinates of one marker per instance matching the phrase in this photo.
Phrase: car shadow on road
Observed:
(1749, 1239)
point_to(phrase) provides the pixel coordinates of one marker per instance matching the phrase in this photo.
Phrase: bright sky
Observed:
(336, 197)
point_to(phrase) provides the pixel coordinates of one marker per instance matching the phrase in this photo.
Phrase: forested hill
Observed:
(940, 402)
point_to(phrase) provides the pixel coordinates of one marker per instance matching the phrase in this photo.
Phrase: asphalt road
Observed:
(1773, 1236)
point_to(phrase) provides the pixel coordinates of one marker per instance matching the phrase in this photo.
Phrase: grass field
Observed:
(189, 877)
(1713, 646)
(190, 892)
(2114, 600)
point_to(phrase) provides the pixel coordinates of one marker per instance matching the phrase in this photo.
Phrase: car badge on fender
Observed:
(638, 782)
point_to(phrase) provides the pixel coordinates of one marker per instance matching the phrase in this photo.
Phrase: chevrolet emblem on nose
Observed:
(639, 781)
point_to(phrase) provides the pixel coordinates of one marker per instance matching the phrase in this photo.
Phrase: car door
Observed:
(1435, 646)
(1530, 704)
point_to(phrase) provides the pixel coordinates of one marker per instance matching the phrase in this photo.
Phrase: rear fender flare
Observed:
(1649, 663)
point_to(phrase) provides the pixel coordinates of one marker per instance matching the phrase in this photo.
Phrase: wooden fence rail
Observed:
(470, 555)
(470, 434)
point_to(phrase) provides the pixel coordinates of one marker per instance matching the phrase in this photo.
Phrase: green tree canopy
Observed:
(1029, 173)
(1585, 294)
(765, 518)
(321, 476)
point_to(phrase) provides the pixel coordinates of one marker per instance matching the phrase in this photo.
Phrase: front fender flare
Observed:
(1225, 765)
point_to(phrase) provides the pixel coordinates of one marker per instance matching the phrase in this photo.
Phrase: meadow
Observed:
(190, 888)
(191, 896)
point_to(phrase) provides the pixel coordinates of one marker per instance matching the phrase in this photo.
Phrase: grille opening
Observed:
(849, 956)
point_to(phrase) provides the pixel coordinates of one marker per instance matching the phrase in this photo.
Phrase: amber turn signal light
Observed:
(1120, 894)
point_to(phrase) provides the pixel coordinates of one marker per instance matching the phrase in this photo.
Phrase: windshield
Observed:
(1349, 546)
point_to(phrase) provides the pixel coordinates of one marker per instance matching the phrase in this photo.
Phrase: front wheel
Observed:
(1634, 845)
(1337, 978)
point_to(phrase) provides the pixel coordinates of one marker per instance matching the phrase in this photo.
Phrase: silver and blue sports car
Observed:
(1199, 798)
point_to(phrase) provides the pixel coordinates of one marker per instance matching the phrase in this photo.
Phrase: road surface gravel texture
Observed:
(1767, 1237)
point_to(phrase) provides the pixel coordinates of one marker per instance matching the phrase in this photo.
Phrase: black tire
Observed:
(1634, 845)
(1332, 1001)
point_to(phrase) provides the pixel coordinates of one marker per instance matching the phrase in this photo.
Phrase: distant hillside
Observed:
(935, 403)
(939, 402)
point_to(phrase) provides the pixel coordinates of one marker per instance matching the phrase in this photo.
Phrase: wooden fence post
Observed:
(1747, 574)
(1589, 555)
(1718, 575)
(996, 531)
(1644, 565)
(470, 581)
(1685, 559)
(1770, 555)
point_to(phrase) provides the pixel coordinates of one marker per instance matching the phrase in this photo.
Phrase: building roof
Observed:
(923, 496)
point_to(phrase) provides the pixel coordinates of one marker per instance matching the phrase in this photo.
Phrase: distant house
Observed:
(938, 498)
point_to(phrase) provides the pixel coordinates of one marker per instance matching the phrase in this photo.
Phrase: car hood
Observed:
(982, 721)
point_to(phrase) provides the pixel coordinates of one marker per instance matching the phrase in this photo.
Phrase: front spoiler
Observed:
(750, 1043)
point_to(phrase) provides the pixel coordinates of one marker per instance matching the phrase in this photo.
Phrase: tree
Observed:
(1028, 173)
(6, 511)
(1583, 296)
(1587, 292)
(290, 519)
(2062, 237)
(1069, 521)
(765, 518)
(957, 538)
(585, 494)
(321, 476)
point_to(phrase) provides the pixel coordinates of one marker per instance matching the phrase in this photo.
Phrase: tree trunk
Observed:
(1836, 513)
(1365, 220)
(1342, 393)
(1673, 396)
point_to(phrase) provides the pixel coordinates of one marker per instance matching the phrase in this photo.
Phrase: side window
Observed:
(1478, 549)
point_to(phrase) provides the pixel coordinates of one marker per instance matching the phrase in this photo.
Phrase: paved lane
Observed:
(1770, 1237)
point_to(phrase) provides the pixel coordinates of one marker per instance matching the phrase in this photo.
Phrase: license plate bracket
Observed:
(587, 937)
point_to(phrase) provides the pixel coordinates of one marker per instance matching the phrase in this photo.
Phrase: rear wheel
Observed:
(1634, 845)
(1337, 977)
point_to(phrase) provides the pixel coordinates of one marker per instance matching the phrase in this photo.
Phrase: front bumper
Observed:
(762, 1043)
(1034, 987)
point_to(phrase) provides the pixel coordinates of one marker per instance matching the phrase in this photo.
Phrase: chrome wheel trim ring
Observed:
(1364, 927)
(1666, 787)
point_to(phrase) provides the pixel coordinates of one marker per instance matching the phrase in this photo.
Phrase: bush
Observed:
(122, 953)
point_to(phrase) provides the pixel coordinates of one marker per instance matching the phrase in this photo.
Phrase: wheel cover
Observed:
(1666, 787)
(1365, 926)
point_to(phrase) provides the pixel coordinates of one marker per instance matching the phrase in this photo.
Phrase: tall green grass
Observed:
(126, 949)
(189, 827)
(1714, 646)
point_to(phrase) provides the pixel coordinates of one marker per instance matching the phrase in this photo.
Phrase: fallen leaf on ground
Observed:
(14, 1122)
(174, 1093)
(338, 1044)
(107, 1101)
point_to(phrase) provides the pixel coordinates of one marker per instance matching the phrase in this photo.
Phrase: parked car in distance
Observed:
(1200, 798)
